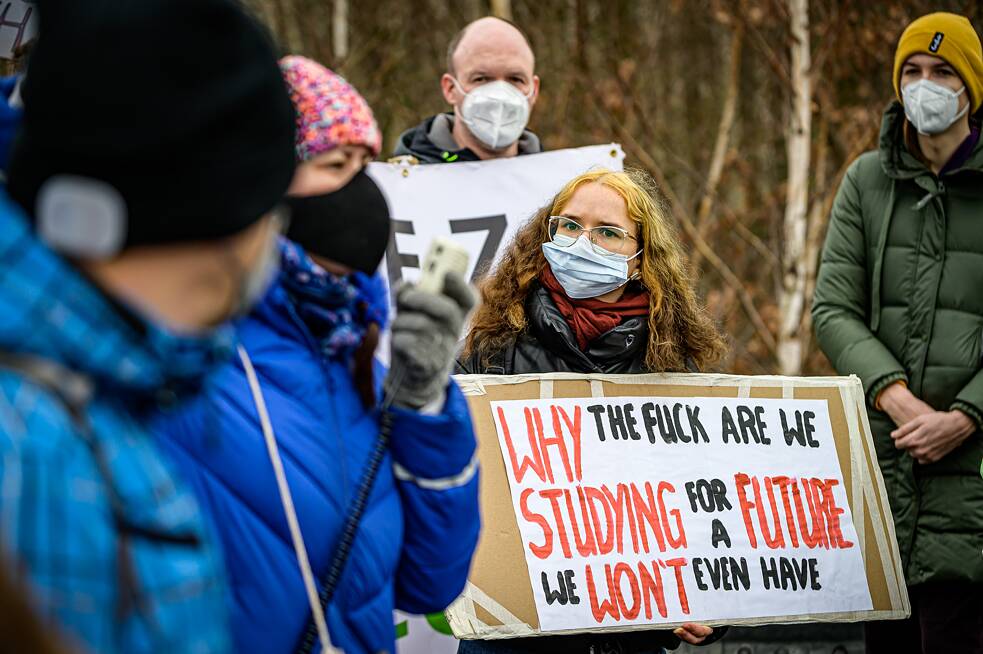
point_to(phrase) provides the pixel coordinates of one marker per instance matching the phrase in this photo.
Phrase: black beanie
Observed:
(175, 109)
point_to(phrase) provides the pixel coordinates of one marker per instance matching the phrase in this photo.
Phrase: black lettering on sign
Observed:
(752, 425)
(725, 573)
(728, 428)
(565, 592)
(631, 421)
(710, 495)
(695, 426)
(395, 260)
(616, 420)
(495, 226)
(571, 587)
(790, 574)
(666, 427)
(597, 410)
(802, 432)
(719, 534)
(650, 421)
(683, 436)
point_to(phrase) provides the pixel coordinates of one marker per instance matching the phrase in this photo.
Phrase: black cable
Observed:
(349, 531)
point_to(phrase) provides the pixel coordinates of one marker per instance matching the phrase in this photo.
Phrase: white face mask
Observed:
(496, 113)
(931, 107)
(583, 272)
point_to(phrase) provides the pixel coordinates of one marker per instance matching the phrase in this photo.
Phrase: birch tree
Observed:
(502, 9)
(339, 30)
(798, 138)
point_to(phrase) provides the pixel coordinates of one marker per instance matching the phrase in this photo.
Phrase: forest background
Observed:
(747, 113)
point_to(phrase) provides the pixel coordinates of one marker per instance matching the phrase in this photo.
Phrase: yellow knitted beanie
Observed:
(950, 37)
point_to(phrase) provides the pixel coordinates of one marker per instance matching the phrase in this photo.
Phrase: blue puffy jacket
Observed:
(420, 527)
(56, 518)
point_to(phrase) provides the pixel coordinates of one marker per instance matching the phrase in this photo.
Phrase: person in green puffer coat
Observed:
(899, 303)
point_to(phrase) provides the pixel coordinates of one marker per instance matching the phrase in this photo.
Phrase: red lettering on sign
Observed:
(573, 426)
(823, 530)
(647, 513)
(536, 462)
(605, 526)
(540, 551)
(680, 539)
(554, 495)
(624, 570)
(652, 588)
(607, 607)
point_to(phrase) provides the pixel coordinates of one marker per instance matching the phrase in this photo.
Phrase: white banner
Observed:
(478, 204)
(18, 25)
(636, 511)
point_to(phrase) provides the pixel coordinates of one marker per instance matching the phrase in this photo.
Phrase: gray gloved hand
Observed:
(424, 341)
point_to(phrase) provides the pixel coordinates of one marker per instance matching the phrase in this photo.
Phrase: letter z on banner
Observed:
(478, 204)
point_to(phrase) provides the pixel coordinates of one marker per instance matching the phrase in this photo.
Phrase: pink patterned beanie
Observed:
(330, 112)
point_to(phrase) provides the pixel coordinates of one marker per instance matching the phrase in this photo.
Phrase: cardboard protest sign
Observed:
(633, 502)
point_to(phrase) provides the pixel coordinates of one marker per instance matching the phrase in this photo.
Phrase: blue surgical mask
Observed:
(582, 272)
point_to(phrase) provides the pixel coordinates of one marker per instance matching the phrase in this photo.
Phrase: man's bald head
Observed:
(490, 37)
(489, 51)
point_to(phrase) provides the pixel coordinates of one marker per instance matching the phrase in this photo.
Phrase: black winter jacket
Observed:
(432, 142)
(549, 345)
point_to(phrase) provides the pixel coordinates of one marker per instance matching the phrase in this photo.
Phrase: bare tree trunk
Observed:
(814, 235)
(339, 30)
(722, 144)
(502, 9)
(792, 301)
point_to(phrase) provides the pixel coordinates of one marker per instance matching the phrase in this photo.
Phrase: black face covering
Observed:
(350, 226)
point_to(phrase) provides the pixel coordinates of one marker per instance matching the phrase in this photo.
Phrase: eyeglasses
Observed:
(605, 239)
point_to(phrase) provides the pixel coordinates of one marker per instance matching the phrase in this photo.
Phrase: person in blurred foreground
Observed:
(282, 494)
(594, 282)
(132, 232)
(898, 303)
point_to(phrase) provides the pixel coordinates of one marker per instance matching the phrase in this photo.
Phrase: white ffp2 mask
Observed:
(931, 107)
(496, 113)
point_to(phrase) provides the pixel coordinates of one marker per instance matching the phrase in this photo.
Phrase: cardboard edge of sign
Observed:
(477, 614)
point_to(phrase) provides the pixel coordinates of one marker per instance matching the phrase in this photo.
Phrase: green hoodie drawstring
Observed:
(931, 195)
(875, 292)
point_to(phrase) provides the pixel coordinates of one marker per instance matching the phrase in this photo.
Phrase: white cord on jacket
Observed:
(288, 505)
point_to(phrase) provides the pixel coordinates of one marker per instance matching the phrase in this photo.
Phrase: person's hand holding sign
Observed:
(693, 633)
